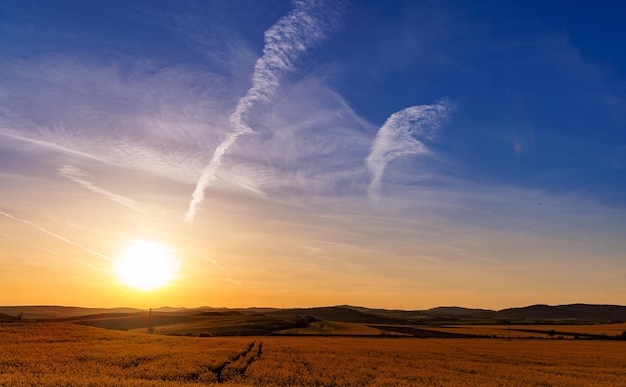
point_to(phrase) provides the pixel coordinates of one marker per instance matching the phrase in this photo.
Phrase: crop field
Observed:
(51, 354)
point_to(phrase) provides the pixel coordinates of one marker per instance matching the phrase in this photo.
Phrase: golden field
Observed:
(47, 354)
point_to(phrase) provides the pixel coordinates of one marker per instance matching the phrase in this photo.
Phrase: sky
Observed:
(397, 154)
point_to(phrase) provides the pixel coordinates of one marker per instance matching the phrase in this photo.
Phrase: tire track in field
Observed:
(238, 364)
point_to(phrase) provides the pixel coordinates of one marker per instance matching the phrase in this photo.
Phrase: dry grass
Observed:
(439, 362)
(63, 354)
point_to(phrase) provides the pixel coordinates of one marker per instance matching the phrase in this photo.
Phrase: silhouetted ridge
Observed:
(456, 311)
(227, 313)
(333, 313)
(344, 313)
(583, 312)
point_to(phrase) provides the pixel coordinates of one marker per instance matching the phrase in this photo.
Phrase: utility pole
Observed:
(150, 327)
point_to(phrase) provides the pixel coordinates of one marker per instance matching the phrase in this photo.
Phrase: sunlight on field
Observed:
(64, 354)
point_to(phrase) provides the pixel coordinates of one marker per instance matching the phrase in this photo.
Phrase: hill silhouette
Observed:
(335, 313)
(207, 321)
(534, 313)
(581, 312)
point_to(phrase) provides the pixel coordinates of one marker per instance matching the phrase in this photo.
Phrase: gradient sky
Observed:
(397, 154)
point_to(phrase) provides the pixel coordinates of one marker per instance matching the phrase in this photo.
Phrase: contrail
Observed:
(46, 231)
(214, 262)
(76, 175)
(51, 145)
(10, 237)
(20, 240)
(396, 138)
(285, 42)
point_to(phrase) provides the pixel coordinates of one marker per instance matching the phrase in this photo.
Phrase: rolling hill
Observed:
(582, 312)
(207, 321)
(44, 312)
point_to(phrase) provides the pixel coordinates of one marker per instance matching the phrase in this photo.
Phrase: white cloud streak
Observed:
(57, 236)
(10, 237)
(149, 121)
(77, 176)
(214, 262)
(285, 41)
(20, 240)
(397, 138)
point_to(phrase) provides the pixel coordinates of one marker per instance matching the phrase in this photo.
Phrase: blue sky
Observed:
(391, 154)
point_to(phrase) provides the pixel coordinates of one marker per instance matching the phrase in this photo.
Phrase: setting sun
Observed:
(145, 265)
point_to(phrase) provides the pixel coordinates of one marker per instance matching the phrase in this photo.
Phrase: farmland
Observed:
(52, 354)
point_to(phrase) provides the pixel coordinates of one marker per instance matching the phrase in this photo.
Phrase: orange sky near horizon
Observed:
(400, 154)
(239, 259)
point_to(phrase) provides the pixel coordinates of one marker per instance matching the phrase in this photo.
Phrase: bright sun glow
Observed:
(146, 265)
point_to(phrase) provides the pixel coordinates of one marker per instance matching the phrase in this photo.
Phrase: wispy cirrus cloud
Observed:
(213, 262)
(150, 120)
(55, 235)
(285, 42)
(400, 136)
(313, 144)
(21, 240)
(9, 236)
(78, 176)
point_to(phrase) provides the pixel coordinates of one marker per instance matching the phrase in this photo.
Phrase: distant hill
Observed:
(533, 313)
(334, 313)
(455, 311)
(583, 312)
(439, 313)
(129, 318)
(390, 313)
(41, 312)
(125, 321)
